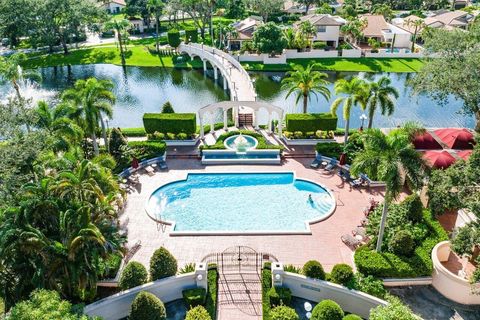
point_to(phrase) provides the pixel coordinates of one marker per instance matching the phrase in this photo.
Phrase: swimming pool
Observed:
(240, 203)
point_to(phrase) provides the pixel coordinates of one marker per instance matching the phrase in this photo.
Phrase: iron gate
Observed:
(239, 259)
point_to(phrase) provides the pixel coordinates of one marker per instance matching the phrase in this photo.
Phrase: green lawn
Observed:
(344, 64)
(136, 56)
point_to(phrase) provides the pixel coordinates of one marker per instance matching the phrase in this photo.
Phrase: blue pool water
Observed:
(230, 202)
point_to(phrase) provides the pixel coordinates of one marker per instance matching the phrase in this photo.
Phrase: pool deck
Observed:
(323, 244)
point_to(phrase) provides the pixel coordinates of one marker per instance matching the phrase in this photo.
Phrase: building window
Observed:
(322, 29)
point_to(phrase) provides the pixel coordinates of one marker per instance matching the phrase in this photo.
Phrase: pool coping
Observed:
(307, 223)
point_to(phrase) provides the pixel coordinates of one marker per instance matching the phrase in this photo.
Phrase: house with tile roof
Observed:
(440, 19)
(327, 27)
(115, 6)
(378, 28)
(244, 31)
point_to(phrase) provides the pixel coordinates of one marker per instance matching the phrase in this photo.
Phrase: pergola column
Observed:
(269, 126)
(236, 116)
(255, 120)
(280, 126)
(212, 123)
(202, 133)
(225, 120)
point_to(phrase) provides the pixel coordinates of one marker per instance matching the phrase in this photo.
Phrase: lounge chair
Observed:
(360, 231)
(331, 165)
(149, 170)
(350, 241)
(316, 163)
(162, 165)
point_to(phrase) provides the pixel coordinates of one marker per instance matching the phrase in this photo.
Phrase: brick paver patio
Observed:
(323, 244)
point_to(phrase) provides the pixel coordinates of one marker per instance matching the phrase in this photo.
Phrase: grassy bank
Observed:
(344, 64)
(139, 55)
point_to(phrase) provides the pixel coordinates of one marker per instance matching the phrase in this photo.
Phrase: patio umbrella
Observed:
(343, 159)
(464, 154)
(135, 163)
(456, 138)
(426, 142)
(438, 159)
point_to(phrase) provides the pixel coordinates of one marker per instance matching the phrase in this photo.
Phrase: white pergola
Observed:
(255, 106)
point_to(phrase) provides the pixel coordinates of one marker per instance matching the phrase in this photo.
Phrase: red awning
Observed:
(464, 154)
(426, 141)
(456, 138)
(438, 159)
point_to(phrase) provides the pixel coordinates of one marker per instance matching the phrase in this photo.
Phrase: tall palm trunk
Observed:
(382, 223)
(122, 54)
(371, 113)
(305, 103)
(477, 121)
(157, 27)
(17, 88)
(104, 134)
(95, 144)
(347, 127)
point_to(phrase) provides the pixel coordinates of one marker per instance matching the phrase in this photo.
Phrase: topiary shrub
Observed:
(402, 243)
(298, 134)
(134, 274)
(283, 313)
(313, 269)
(147, 306)
(327, 310)
(116, 142)
(191, 35)
(167, 108)
(280, 296)
(194, 297)
(173, 37)
(198, 313)
(371, 285)
(342, 274)
(170, 122)
(162, 264)
(414, 207)
(352, 317)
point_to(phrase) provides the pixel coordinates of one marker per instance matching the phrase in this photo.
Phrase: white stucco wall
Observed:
(114, 7)
(118, 306)
(351, 53)
(320, 53)
(332, 33)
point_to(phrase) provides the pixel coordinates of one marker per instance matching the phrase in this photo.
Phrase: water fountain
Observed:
(240, 143)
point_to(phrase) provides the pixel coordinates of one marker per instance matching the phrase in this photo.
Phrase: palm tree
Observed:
(353, 29)
(156, 8)
(58, 121)
(307, 30)
(11, 71)
(93, 98)
(417, 25)
(355, 93)
(389, 159)
(290, 36)
(120, 27)
(381, 95)
(304, 82)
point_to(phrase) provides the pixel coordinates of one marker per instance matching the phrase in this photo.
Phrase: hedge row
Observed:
(262, 142)
(212, 291)
(147, 149)
(266, 285)
(308, 122)
(170, 122)
(133, 132)
(331, 149)
(388, 265)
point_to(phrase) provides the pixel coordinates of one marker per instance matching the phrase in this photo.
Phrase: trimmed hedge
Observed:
(212, 293)
(170, 122)
(327, 310)
(191, 35)
(162, 264)
(352, 317)
(266, 286)
(389, 265)
(262, 142)
(280, 296)
(313, 269)
(342, 274)
(284, 313)
(173, 37)
(133, 132)
(331, 149)
(194, 297)
(147, 306)
(134, 274)
(147, 149)
(198, 313)
(306, 122)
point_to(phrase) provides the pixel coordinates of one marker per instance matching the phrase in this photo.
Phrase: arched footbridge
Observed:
(234, 75)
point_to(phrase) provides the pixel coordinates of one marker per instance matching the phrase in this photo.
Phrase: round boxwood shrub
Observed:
(414, 207)
(162, 264)
(342, 274)
(173, 37)
(402, 243)
(283, 313)
(327, 310)
(198, 313)
(352, 317)
(313, 269)
(147, 306)
(134, 274)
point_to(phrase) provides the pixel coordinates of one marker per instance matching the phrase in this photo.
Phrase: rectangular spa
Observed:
(240, 203)
(271, 156)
